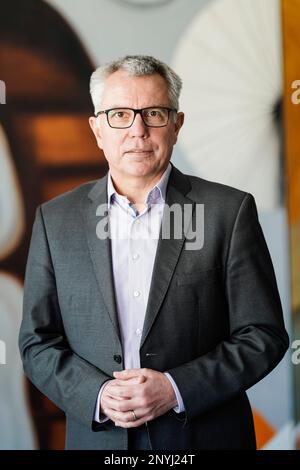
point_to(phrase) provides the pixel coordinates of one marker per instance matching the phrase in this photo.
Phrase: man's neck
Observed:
(136, 189)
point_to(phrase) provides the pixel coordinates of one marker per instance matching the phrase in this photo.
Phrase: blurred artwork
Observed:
(229, 58)
(291, 21)
(11, 205)
(16, 430)
(47, 148)
(46, 68)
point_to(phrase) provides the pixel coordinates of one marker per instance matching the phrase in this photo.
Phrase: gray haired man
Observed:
(143, 343)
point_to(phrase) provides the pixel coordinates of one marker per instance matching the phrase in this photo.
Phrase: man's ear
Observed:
(178, 124)
(96, 130)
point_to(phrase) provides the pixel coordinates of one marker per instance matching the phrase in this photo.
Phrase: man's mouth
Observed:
(139, 151)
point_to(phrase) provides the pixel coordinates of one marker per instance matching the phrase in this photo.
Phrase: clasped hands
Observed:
(147, 392)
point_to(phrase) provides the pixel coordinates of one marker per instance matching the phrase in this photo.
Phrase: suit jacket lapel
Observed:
(100, 250)
(168, 250)
(167, 254)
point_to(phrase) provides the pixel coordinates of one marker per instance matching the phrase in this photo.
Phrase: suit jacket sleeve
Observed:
(257, 339)
(68, 380)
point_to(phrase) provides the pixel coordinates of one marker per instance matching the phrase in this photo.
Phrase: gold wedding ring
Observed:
(134, 415)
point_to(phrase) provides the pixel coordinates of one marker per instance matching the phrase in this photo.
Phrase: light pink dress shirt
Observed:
(134, 239)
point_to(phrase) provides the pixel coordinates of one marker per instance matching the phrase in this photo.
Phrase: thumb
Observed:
(128, 374)
(137, 380)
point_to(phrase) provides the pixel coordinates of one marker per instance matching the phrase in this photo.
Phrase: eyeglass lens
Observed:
(124, 117)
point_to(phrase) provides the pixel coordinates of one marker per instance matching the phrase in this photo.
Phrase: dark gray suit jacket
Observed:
(213, 320)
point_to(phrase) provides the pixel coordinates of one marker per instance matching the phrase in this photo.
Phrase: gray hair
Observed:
(137, 66)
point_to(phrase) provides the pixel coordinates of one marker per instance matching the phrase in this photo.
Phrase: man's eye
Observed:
(153, 113)
(119, 115)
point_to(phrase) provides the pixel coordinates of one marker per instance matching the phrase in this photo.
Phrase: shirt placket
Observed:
(137, 284)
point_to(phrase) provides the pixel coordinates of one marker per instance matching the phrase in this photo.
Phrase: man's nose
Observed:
(138, 128)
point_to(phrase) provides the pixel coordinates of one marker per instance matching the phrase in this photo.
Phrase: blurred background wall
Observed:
(234, 58)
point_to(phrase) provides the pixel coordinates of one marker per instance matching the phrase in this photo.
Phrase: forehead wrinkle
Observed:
(134, 92)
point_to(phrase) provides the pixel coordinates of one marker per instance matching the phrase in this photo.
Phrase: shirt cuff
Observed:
(97, 417)
(179, 408)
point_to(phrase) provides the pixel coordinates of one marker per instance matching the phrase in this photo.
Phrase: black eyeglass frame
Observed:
(137, 111)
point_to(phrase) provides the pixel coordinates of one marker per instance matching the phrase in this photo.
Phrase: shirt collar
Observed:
(155, 195)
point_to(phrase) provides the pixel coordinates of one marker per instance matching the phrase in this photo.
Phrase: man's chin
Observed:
(138, 165)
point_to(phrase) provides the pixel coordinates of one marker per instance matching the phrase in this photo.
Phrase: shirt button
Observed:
(135, 256)
(136, 293)
(138, 332)
(118, 358)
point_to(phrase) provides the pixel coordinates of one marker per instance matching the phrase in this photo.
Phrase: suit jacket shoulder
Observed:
(69, 198)
(221, 200)
(222, 203)
(220, 195)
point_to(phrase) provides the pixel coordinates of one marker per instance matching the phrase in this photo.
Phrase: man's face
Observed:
(138, 151)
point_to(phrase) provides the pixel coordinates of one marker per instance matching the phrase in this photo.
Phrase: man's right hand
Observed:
(105, 395)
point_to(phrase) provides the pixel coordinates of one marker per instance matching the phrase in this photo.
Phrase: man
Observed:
(145, 340)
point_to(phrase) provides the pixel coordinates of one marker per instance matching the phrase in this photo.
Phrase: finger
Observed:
(126, 417)
(133, 424)
(129, 381)
(122, 406)
(124, 389)
(121, 392)
(115, 404)
(128, 374)
(139, 379)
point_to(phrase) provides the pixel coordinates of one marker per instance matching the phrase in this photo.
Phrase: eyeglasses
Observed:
(122, 118)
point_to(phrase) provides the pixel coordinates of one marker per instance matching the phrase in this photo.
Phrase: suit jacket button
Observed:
(118, 358)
